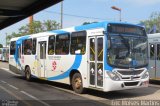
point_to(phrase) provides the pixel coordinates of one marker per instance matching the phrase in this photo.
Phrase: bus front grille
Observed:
(129, 72)
(126, 78)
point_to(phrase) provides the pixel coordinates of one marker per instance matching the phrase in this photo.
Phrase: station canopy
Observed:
(12, 11)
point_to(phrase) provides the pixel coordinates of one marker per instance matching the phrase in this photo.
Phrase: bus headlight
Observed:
(145, 75)
(113, 76)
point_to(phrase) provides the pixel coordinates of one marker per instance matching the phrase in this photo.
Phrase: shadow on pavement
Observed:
(157, 82)
(106, 95)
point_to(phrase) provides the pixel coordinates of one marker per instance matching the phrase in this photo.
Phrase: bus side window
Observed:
(28, 47)
(51, 43)
(12, 48)
(78, 42)
(62, 44)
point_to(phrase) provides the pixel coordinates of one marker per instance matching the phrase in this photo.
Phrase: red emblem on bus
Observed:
(22, 59)
(54, 65)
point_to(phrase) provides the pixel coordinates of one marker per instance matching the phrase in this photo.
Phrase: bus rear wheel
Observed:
(28, 74)
(77, 83)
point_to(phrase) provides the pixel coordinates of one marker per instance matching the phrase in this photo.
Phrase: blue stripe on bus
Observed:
(91, 26)
(106, 66)
(100, 25)
(75, 65)
(18, 43)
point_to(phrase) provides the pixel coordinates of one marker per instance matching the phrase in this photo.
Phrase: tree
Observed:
(51, 25)
(85, 23)
(154, 19)
(24, 30)
(8, 37)
(36, 27)
(1, 46)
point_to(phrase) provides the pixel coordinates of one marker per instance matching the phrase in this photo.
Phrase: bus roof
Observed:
(75, 28)
(14, 39)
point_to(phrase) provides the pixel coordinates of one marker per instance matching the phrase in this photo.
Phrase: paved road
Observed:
(13, 87)
(42, 92)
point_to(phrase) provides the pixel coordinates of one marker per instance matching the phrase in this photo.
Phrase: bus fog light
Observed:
(113, 76)
(145, 75)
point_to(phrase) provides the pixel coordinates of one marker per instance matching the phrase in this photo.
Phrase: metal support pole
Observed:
(6, 39)
(62, 14)
(31, 24)
(120, 16)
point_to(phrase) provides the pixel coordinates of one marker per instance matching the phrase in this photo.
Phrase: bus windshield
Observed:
(127, 51)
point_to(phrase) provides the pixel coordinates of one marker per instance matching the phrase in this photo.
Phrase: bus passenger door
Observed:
(158, 62)
(95, 61)
(41, 58)
(154, 61)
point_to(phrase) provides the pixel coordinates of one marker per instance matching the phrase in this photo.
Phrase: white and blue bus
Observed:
(4, 54)
(105, 56)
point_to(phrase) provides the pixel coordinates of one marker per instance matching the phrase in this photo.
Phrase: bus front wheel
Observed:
(28, 74)
(77, 83)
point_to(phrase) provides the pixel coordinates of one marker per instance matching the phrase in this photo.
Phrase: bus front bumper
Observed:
(111, 85)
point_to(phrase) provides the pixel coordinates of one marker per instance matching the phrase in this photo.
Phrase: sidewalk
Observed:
(4, 65)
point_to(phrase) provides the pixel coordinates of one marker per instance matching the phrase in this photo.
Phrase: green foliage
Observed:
(1, 46)
(51, 25)
(85, 23)
(154, 19)
(34, 27)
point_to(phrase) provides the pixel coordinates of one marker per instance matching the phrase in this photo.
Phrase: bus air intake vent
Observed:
(131, 83)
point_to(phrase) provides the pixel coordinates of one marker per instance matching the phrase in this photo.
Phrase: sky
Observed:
(76, 12)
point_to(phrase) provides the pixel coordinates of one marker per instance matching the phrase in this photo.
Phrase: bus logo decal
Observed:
(54, 65)
(75, 65)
